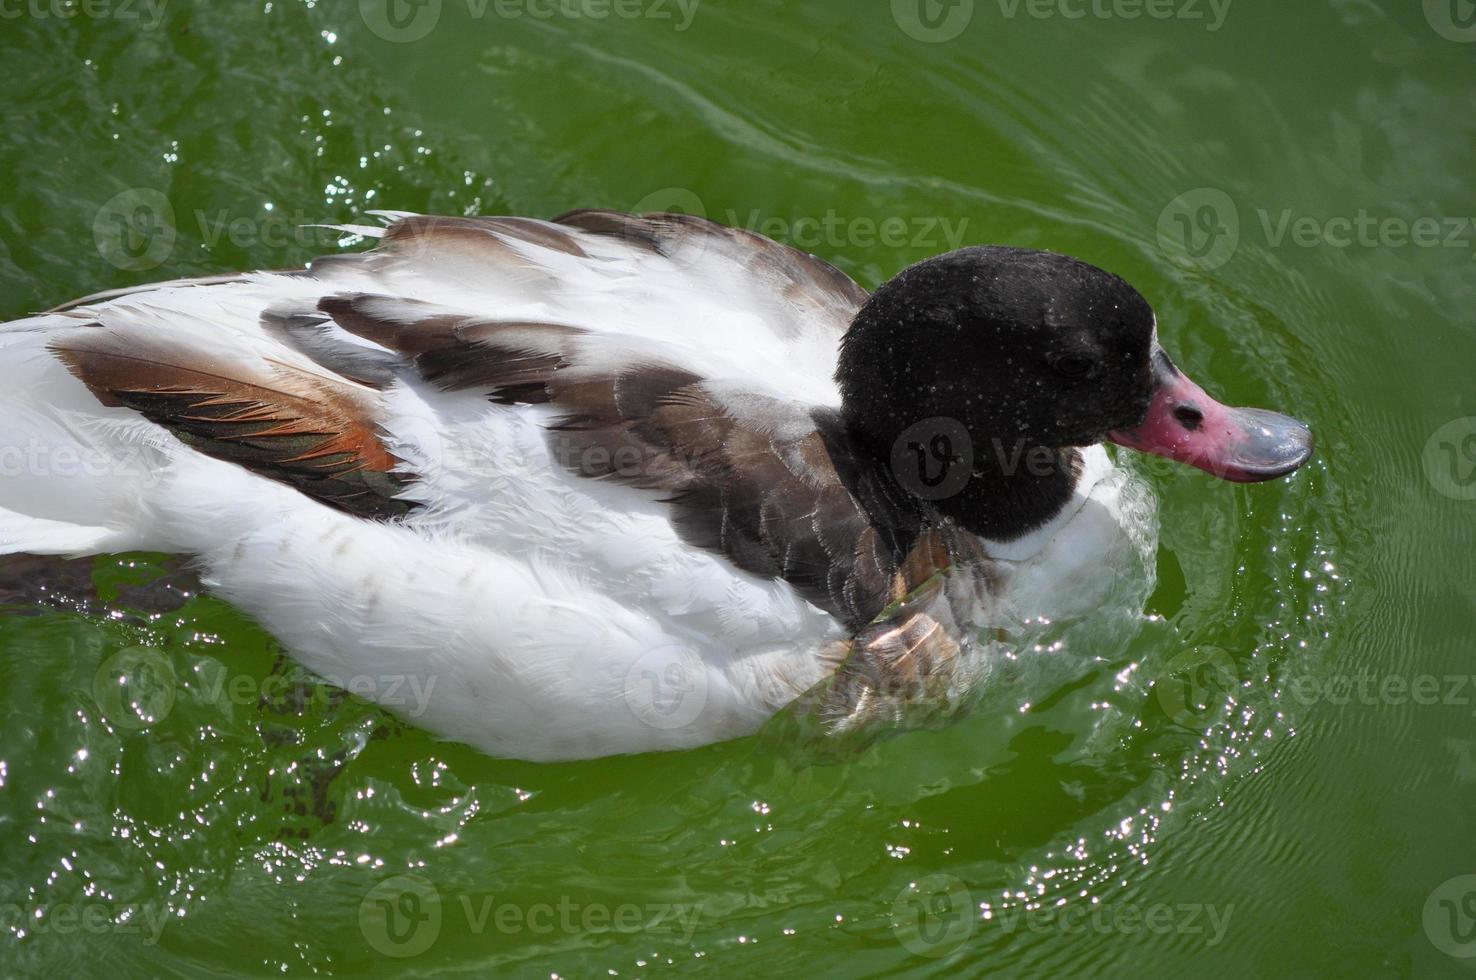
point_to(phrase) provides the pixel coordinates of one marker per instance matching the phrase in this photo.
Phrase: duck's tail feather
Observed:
(73, 472)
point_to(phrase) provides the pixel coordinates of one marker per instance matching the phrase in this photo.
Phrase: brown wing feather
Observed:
(311, 432)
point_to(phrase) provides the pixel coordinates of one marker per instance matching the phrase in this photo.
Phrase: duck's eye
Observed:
(1072, 365)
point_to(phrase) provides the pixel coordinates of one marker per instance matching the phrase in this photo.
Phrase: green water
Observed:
(1275, 775)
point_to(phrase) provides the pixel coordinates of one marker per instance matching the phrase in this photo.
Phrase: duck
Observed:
(616, 483)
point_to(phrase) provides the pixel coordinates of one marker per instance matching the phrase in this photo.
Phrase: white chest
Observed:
(1097, 553)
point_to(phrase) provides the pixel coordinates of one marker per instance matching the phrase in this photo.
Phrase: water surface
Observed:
(1261, 778)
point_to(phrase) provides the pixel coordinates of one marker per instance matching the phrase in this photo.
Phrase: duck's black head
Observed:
(978, 375)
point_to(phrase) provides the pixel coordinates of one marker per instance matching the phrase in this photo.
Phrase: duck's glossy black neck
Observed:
(999, 491)
(1011, 490)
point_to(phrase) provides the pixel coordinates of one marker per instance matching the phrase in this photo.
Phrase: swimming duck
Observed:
(616, 483)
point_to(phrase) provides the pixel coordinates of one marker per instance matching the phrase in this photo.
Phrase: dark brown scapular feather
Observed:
(775, 506)
(312, 335)
(512, 361)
